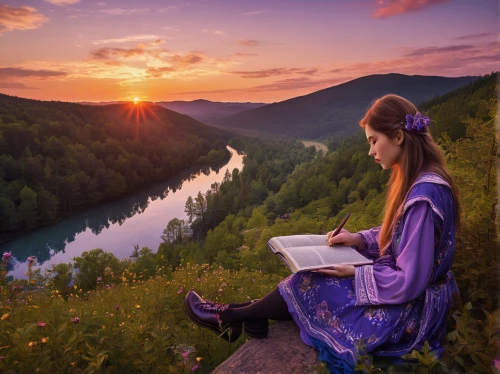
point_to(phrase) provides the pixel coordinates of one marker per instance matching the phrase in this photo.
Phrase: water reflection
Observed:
(116, 226)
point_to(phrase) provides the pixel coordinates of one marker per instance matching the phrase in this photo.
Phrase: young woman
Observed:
(403, 299)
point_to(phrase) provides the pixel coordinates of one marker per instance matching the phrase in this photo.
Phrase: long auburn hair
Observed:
(420, 153)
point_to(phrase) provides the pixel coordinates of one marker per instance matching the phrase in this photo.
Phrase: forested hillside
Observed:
(59, 157)
(337, 110)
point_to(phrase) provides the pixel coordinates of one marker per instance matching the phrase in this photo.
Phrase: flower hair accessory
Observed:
(417, 123)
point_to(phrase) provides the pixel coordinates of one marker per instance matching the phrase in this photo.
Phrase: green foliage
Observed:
(59, 157)
(137, 325)
(93, 264)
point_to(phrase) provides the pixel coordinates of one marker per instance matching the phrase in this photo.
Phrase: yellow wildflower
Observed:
(31, 344)
(75, 286)
(138, 306)
(45, 340)
(5, 316)
(198, 359)
(124, 279)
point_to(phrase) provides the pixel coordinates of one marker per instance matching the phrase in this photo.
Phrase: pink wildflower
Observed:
(108, 286)
(219, 290)
(31, 259)
(99, 279)
(181, 290)
(76, 320)
(7, 256)
(41, 324)
(199, 280)
(117, 307)
(194, 368)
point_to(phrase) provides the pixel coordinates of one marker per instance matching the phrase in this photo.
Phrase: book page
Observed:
(315, 257)
(280, 242)
(341, 255)
(303, 257)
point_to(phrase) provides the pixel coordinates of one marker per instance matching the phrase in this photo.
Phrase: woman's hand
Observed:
(339, 271)
(344, 237)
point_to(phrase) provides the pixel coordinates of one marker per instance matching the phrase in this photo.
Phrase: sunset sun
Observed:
(136, 100)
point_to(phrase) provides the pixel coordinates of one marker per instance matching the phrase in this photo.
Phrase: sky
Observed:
(234, 50)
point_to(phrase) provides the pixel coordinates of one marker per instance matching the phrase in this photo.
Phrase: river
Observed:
(117, 226)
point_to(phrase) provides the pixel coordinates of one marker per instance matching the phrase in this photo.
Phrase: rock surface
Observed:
(281, 352)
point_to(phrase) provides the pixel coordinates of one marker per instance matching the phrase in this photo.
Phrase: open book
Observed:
(311, 252)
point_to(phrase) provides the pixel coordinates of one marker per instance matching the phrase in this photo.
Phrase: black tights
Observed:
(271, 306)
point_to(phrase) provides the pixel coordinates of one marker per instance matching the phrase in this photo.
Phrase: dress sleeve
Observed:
(371, 242)
(383, 284)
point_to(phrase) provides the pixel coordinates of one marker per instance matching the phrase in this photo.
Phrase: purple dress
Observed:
(400, 301)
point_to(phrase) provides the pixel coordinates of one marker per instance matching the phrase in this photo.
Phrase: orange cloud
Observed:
(389, 8)
(110, 53)
(266, 73)
(22, 18)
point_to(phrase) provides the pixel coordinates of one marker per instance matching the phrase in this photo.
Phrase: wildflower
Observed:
(199, 280)
(5, 316)
(76, 320)
(117, 307)
(75, 286)
(219, 290)
(99, 279)
(108, 286)
(138, 306)
(2, 357)
(198, 359)
(31, 344)
(31, 260)
(181, 290)
(45, 340)
(41, 324)
(6, 258)
(194, 368)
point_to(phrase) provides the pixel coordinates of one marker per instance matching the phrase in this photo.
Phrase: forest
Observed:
(58, 158)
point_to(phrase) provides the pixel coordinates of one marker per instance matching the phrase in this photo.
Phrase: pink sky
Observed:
(224, 50)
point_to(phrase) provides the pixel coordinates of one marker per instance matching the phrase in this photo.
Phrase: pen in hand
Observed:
(338, 229)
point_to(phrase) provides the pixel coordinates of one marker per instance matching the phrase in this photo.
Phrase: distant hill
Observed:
(208, 111)
(338, 109)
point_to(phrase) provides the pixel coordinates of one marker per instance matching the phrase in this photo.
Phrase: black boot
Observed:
(209, 315)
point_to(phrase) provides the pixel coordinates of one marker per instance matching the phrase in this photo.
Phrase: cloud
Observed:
(253, 13)
(438, 50)
(266, 73)
(62, 2)
(389, 8)
(473, 36)
(19, 72)
(22, 18)
(129, 38)
(111, 53)
(16, 86)
(248, 42)
(124, 12)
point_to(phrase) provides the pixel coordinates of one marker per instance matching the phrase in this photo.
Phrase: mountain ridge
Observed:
(337, 109)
